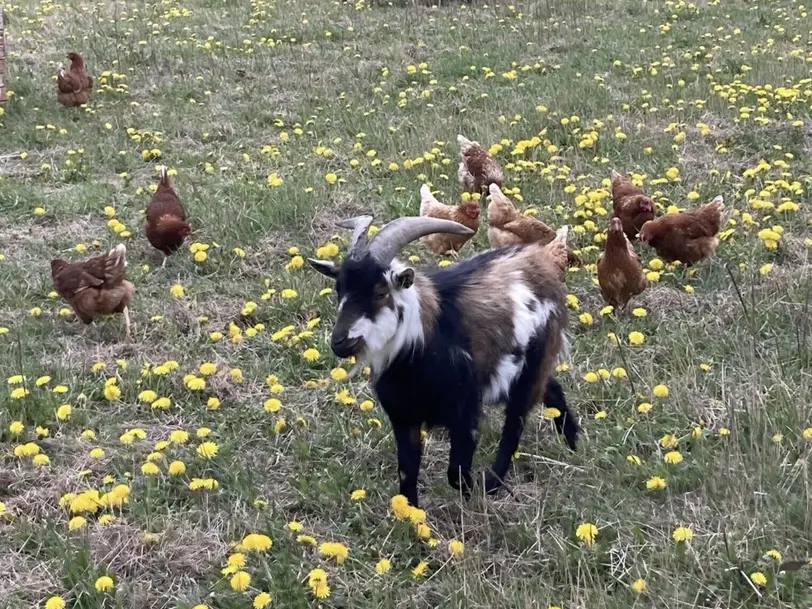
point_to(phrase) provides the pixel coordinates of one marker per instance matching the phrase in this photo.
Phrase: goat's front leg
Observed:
(410, 447)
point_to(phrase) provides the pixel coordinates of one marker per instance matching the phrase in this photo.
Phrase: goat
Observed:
(442, 343)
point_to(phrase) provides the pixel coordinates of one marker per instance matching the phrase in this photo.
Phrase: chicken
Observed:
(478, 169)
(73, 87)
(509, 227)
(558, 251)
(630, 204)
(466, 214)
(95, 287)
(165, 223)
(620, 274)
(687, 237)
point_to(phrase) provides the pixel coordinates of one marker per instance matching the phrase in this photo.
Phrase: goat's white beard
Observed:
(385, 337)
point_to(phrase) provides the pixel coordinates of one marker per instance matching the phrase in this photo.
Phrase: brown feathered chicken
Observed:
(630, 204)
(466, 214)
(620, 274)
(688, 237)
(478, 169)
(509, 227)
(558, 251)
(73, 87)
(95, 287)
(165, 223)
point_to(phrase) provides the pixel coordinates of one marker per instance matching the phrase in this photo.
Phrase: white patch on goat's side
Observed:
(529, 313)
(503, 377)
(386, 336)
(341, 304)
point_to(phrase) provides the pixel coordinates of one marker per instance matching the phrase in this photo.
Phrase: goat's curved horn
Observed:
(359, 227)
(393, 237)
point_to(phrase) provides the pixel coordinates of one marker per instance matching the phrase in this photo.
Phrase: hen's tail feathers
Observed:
(164, 176)
(464, 143)
(561, 234)
(119, 254)
(425, 198)
(615, 175)
(495, 190)
(724, 214)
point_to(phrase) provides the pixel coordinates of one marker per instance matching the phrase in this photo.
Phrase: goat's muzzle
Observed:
(343, 346)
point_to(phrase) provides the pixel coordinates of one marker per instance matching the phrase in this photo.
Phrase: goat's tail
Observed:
(565, 422)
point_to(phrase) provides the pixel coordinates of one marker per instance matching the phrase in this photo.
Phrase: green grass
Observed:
(233, 92)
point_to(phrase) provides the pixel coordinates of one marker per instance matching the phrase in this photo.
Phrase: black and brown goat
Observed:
(442, 343)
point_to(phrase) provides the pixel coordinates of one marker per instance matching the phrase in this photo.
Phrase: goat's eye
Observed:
(380, 295)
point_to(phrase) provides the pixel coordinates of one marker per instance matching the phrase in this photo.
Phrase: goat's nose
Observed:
(344, 346)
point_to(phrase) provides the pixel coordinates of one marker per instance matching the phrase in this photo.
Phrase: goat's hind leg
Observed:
(464, 437)
(519, 404)
(565, 423)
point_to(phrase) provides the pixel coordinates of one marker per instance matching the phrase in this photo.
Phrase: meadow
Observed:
(222, 458)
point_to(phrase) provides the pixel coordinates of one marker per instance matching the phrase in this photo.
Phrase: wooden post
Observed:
(2, 59)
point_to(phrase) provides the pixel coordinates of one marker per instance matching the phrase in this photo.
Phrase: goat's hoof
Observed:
(492, 484)
(465, 483)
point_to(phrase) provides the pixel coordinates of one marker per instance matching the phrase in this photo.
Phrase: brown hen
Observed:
(73, 87)
(559, 252)
(96, 286)
(466, 214)
(687, 237)
(630, 204)
(620, 274)
(478, 169)
(509, 227)
(165, 223)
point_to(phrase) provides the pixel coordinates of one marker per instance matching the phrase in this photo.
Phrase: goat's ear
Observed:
(404, 279)
(325, 267)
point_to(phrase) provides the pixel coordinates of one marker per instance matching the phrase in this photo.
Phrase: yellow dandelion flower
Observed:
(421, 569)
(177, 468)
(63, 412)
(682, 534)
(455, 547)
(334, 550)
(358, 494)
(655, 483)
(104, 583)
(383, 566)
(673, 457)
(207, 450)
(587, 532)
(256, 542)
(758, 578)
(177, 291)
(207, 369)
(77, 522)
(338, 374)
(55, 602)
(161, 403)
(636, 338)
(660, 391)
(240, 581)
(639, 585)
(261, 600)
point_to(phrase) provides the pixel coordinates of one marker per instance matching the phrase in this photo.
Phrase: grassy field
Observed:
(281, 117)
